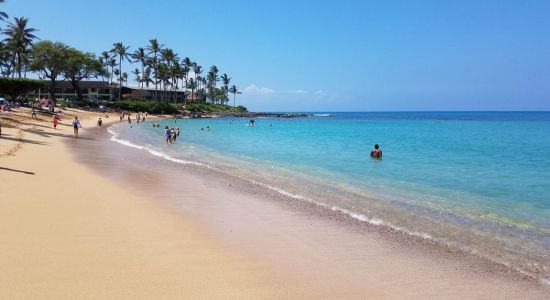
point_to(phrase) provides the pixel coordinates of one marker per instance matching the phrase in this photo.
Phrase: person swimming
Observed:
(251, 122)
(376, 152)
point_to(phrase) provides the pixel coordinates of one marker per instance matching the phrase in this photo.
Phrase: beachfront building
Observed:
(92, 90)
(102, 91)
(149, 94)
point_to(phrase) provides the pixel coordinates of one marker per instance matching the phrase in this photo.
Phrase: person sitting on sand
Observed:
(168, 134)
(99, 125)
(76, 125)
(376, 152)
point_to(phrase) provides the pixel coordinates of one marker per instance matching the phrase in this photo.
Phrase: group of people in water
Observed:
(140, 117)
(171, 134)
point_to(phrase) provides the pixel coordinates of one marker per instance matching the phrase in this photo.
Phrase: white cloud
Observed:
(253, 89)
(320, 92)
(302, 92)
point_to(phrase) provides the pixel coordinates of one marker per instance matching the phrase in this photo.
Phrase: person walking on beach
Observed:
(76, 126)
(55, 121)
(376, 152)
(99, 125)
(168, 135)
(129, 120)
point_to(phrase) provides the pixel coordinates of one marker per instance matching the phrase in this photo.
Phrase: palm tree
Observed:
(197, 70)
(125, 78)
(3, 15)
(234, 90)
(138, 76)
(225, 80)
(154, 49)
(19, 39)
(140, 56)
(192, 84)
(146, 77)
(112, 63)
(122, 52)
(105, 57)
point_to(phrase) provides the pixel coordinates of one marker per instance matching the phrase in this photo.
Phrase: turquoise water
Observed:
(476, 180)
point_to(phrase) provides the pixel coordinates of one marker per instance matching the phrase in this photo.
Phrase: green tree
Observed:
(105, 61)
(3, 15)
(122, 52)
(225, 80)
(234, 90)
(19, 39)
(49, 60)
(154, 48)
(140, 56)
(81, 66)
(192, 85)
(13, 88)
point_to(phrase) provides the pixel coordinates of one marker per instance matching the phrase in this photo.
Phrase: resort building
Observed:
(92, 90)
(101, 90)
(161, 95)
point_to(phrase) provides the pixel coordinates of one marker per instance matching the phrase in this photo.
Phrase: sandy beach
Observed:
(87, 218)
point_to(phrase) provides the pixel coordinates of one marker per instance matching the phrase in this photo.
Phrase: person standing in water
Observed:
(168, 135)
(376, 152)
(76, 126)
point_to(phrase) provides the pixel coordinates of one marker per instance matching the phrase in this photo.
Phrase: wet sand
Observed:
(306, 249)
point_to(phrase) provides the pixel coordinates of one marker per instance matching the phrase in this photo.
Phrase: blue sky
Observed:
(332, 55)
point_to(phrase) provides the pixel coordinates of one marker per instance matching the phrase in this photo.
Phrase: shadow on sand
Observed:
(18, 171)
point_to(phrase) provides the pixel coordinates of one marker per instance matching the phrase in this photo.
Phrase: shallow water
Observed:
(477, 180)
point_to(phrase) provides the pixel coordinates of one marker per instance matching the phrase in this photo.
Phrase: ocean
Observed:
(477, 181)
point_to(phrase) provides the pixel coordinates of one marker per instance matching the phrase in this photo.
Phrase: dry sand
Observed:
(69, 231)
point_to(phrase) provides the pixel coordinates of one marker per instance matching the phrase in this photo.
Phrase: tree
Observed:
(6, 60)
(146, 77)
(234, 90)
(137, 73)
(3, 15)
(140, 56)
(122, 52)
(19, 39)
(112, 64)
(225, 80)
(13, 88)
(154, 49)
(82, 66)
(49, 60)
(192, 85)
(105, 61)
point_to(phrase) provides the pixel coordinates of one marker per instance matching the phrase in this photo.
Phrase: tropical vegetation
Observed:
(22, 53)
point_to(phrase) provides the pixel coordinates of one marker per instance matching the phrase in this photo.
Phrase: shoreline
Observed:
(468, 262)
(343, 215)
(139, 219)
(68, 233)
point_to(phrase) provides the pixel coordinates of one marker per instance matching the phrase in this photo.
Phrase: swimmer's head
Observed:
(376, 146)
